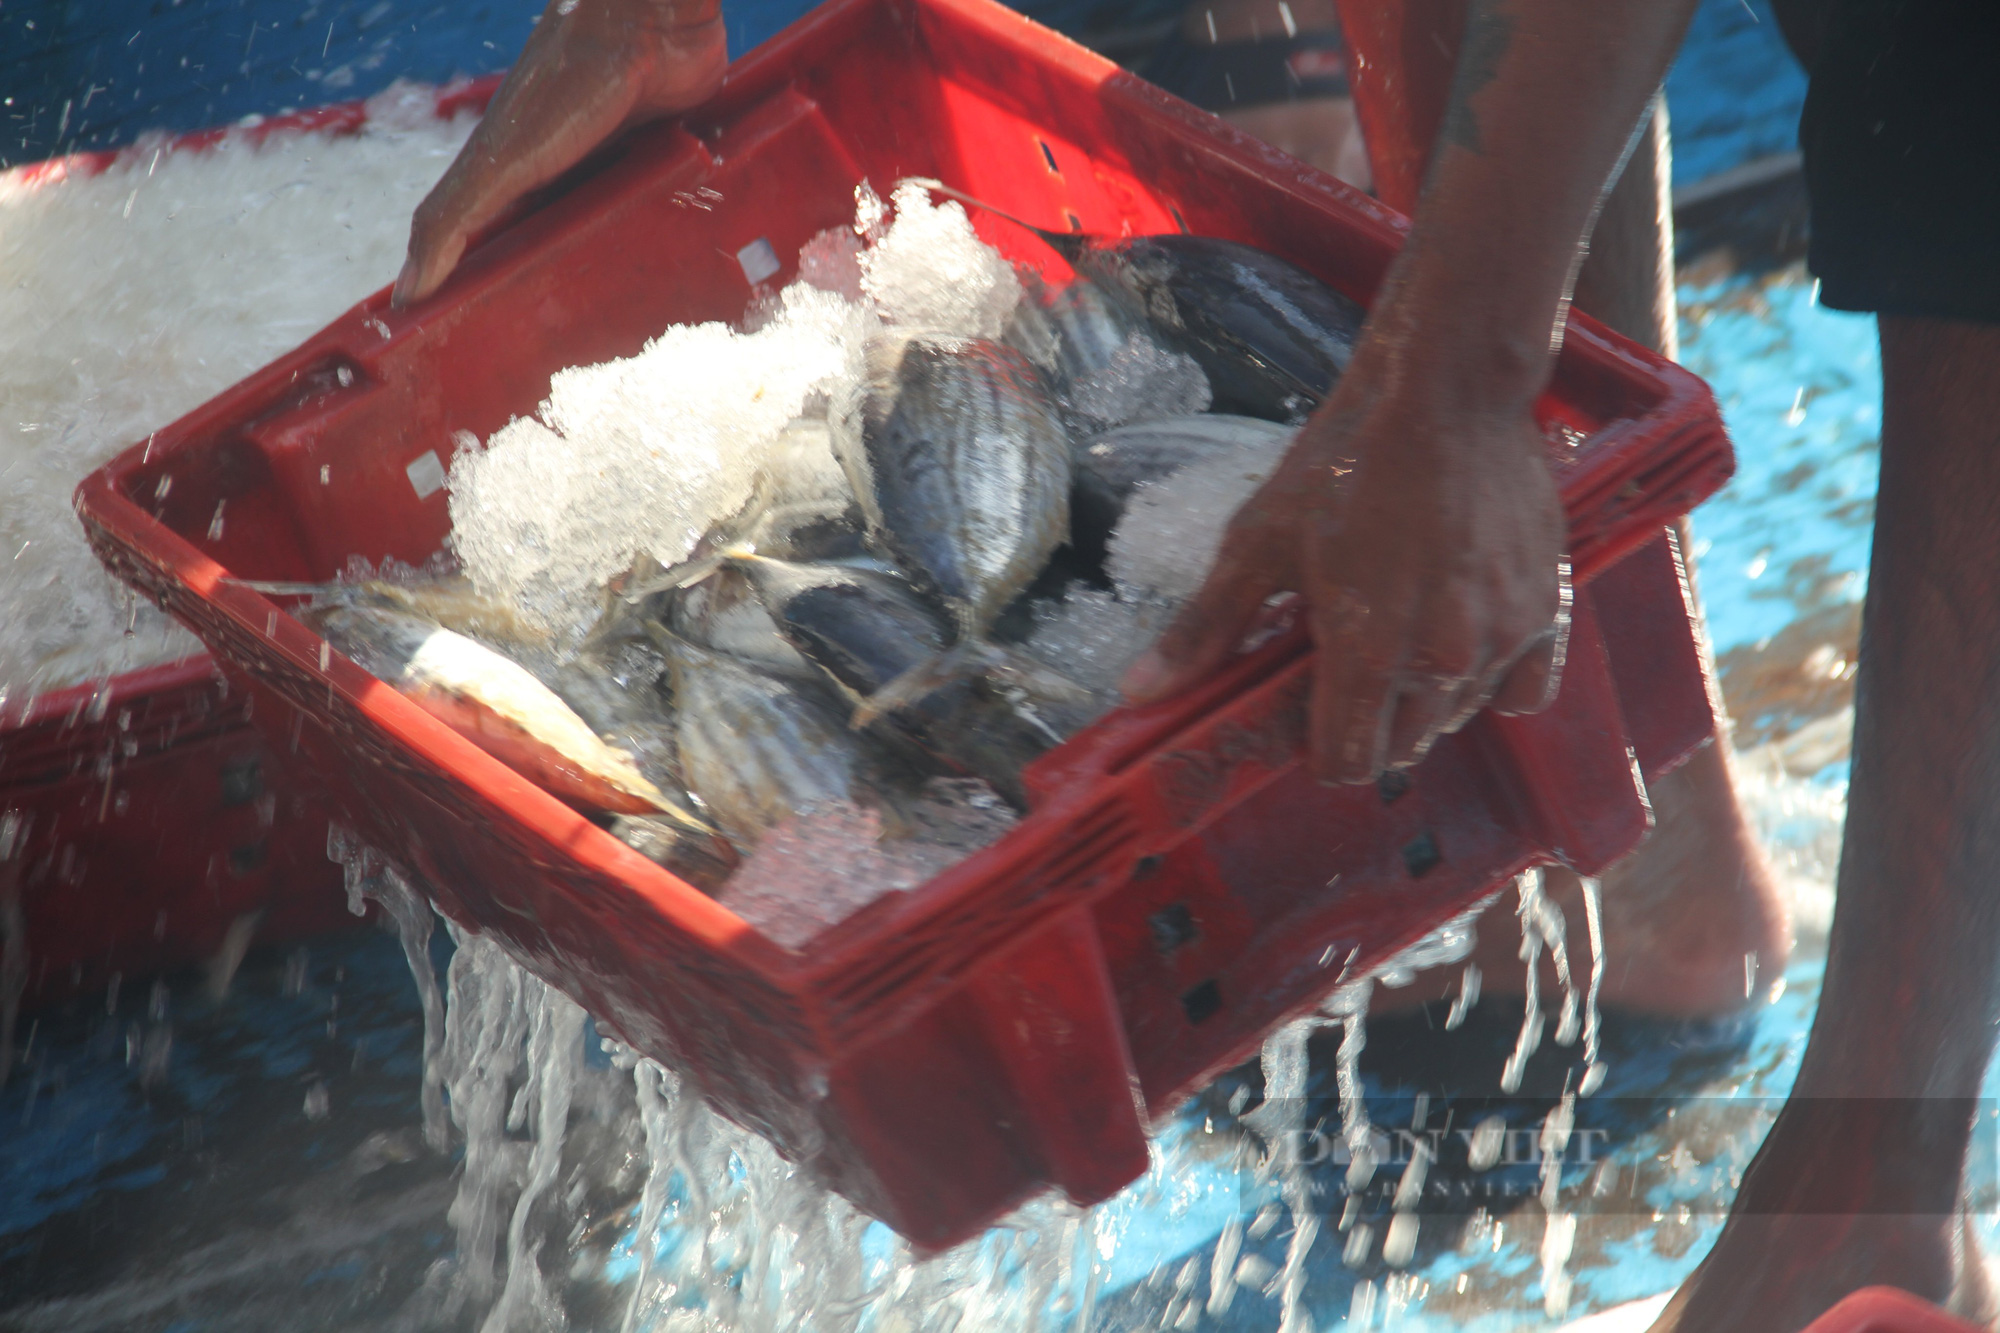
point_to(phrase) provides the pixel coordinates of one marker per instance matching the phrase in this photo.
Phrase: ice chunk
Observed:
(133, 296)
(1163, 547)
(1160, 551)
(799, 468)
(931, 271)
(817, 868)
(1143, 382)
(831, 261)
(648, 453)
(963, 814)
(642, 454)
(1092, 636)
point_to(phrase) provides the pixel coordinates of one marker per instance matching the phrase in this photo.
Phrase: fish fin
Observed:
(687, 573)
(963, 660)
(616, 620)
(1016, 670)
(1063, 243)
(673, 578)
(284, 588)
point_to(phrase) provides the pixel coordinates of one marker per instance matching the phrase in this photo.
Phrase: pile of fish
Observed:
(876, 649)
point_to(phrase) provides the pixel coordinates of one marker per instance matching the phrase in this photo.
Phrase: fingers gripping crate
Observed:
(1180, 885)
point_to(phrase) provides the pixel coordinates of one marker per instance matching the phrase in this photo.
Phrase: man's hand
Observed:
(591, 69)
(1423, 529)
(1415, 513)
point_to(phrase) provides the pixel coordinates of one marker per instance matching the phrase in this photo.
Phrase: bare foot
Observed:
(1776, 1274)
(1845, 1193)
(1694, 924)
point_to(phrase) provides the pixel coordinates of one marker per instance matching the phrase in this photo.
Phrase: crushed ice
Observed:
(131, 297)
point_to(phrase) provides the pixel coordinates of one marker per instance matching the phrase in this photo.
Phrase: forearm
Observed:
(1543, 109)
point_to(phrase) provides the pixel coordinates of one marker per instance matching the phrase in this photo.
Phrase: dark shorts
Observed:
(1901, 134)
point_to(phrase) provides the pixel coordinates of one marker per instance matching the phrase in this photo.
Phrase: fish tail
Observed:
(677, 814)
(964, 660)
(919, 682)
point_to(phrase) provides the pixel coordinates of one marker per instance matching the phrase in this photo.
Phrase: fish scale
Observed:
(756, 749)
(1272, 338)
(964, 472)
(866, 628)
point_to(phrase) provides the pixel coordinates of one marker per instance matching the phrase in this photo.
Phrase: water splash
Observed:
(555, 1049)
(1594, 1069)
(1542, 926)
(1468, 995)
(711, 1229)
(1559, 1231)
(369, 877)
(1281, 1123)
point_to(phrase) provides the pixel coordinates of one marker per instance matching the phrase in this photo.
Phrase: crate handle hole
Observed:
(242, 782)
(1048, 156)
(1421, 854)
(1172, 926)
(1202, 1003)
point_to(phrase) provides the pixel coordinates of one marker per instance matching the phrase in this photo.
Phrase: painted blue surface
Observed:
(96, 73)
(1801, 390)
(78, 74)
(1735, 92)
(82, 1116)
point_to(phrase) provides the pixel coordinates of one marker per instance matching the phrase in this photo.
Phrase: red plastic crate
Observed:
(152, 814)
(147, 815)
(1887, 1310)
(1179, 888)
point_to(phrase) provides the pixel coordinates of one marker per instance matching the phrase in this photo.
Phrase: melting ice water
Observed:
(725, 1233)
(1542, 927)
(1559, 1228)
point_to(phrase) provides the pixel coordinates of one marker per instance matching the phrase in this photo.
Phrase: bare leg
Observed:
(1627, 282)
(1859, 1181)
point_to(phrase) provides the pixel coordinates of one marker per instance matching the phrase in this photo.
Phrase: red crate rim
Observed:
(144, 547)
